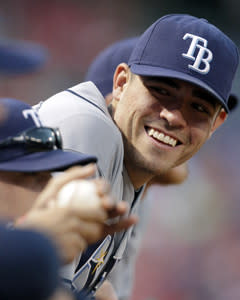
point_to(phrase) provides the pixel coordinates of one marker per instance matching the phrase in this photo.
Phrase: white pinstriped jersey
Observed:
(86, 126)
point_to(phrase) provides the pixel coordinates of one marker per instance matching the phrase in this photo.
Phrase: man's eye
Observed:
(200, 107)
(159, 90)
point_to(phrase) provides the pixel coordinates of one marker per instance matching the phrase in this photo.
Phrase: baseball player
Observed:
(101, 73)
(167, 101)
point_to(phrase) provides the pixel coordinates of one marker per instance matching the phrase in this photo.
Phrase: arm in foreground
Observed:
(70, 228)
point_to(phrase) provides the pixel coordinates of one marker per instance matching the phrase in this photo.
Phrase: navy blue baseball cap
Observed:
(21, 57)
(27, 146)
(188, 48)
(102, 69)
(29, 265)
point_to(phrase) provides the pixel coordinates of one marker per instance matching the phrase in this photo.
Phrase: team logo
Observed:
(202, 57)
(100, 260)
(30, 113)
(90, 271)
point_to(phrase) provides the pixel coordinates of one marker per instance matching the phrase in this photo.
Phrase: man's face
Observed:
(163, 121)
(18, 191)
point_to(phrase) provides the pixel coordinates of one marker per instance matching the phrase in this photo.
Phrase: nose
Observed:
(174, 117)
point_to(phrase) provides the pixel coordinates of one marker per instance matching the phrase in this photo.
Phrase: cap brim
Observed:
(145, 70)
(57, 160)
(21, 57)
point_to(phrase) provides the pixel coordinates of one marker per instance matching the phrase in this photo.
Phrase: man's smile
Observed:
(162, 137)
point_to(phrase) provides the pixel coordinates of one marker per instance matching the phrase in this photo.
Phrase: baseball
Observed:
(80, 194)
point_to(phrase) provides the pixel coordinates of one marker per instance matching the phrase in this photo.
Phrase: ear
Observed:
(120, 80)
(220, 119)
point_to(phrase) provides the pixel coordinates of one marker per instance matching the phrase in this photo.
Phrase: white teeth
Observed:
(151, 131)
(167, 139)
(172, 142)
(161, 137)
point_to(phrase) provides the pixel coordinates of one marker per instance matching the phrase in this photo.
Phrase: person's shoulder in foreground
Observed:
(29, 265)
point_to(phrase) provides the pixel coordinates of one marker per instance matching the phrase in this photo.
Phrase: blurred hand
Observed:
(62, 294)
(71, 228)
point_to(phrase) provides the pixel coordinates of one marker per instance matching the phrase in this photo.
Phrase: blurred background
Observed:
(191, 246)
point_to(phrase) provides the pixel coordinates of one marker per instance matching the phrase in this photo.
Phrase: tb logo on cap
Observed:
(30, 113)
(204, 55)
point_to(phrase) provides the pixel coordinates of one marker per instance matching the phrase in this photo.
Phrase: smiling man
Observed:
(167, 123)
(167, 101)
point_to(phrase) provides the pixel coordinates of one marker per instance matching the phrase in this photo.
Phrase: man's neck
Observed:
(138, 178)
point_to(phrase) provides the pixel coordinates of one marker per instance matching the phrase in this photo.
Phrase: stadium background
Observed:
(191, 247)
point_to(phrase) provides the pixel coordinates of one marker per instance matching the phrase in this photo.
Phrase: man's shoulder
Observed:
(86, 126)
(81, 105)
(71, 100)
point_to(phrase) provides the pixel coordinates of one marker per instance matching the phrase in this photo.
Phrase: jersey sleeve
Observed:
(86, 129)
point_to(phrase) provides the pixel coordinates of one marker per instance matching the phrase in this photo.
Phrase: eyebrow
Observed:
(197, 91)
(165, 80)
